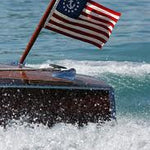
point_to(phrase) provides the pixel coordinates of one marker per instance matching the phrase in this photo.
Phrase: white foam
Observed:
(127, 134)
(94, 68)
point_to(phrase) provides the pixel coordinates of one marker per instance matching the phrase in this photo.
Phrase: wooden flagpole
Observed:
(36, 32)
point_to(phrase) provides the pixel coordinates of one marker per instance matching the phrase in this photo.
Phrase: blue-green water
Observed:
(124, 63)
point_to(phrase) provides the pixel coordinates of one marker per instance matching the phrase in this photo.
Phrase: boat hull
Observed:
(54, 105)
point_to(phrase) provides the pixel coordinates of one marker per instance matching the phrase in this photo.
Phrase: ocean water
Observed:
(124, 63)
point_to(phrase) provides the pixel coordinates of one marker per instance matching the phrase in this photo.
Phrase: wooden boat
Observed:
(56, 94)
(53, 95)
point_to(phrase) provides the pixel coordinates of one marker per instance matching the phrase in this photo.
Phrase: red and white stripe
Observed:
(94, 25)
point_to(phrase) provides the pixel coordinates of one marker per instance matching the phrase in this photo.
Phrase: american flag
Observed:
(84, 20)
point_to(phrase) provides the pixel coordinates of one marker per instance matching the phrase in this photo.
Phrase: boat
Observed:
(54, 94)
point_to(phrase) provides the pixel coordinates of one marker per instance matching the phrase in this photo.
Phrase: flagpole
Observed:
(36, 32)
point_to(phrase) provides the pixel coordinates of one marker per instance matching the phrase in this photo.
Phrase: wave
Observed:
(94, 68)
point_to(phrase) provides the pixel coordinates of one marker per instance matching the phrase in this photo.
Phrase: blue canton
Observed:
(71, 8)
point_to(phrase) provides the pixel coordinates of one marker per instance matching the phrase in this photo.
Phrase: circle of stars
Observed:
(71, 9)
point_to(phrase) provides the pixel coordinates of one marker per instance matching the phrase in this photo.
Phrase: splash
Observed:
(126, 134)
